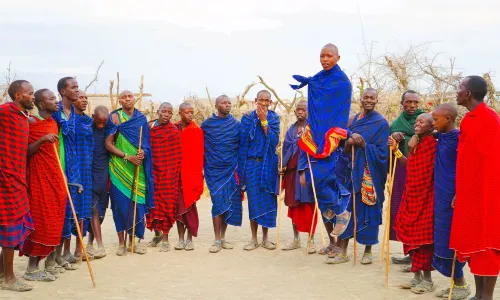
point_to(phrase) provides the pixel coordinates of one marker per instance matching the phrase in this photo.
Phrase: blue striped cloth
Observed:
(258, 166)
(221, 159)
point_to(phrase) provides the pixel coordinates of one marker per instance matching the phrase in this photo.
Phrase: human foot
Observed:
(155, 241)
(180, 245)
(69, 258)
(412, 283)
(312, 249)
(226, 245)
(121, 250)
(39, 275)
(189, 246)
(341, 223)
(90, 249)
(401, 260)
(138, 249)
(252, 245)
(216, 247)
(16, 286)
(367, 259)
(424, 287)
(100, 253)
(339, 259)
(458, 293)
(164, 246)
(268, 245)
(292, 246)
(67, 266)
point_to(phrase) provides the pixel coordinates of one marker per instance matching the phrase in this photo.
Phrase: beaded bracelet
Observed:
(264, 123)
(398, 154)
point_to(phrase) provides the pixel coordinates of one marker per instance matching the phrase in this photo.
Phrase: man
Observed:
(221, 133)
(369, 134)
(84, 152)
(47, 201)
(100, 182)
(300, 203)
(166, 149)
(258, 167)
(191, 179)
(474, 234)
(402, 129)
(122, 133)
(15, 218)
(444, 194)
(414, 222)
(329, 103)
(66, 120)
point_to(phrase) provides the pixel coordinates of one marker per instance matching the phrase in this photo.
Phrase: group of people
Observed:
(334, 165)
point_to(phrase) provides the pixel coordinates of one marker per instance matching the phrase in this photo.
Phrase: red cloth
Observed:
(192, 163)
(290, 180)
(14, 130)
(415, 220)
(166, 148)
(421, 257)
(477, 204)
(485, 263)
(302, 216)
(47, 193)
(188, 215)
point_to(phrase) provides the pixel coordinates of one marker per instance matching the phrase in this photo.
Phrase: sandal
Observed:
(292, 246)
(180, 246)
(412, 283)
(268, 245)
(164, 246)
(39, 275)
(458, 293)
(339, 259)
(70, 258)
(189, 246)
(251, 246)
(424, 287)
(90, 250)
(216, 247)
(406, 268)
(367, 259)
(312, 249)
(121, 250)
(326, 250)
(226, 245)
(155, 241)
(401, 260)
(54, 269)
(100, 253)
(138, 249)
(336, 251)
(17, 286)
(341, 224)
(67, 266)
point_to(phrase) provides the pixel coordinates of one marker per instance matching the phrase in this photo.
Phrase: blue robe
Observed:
(222, 138)
(121, 204)
(67, 128)
(100, 173)
(374, 129)
(258, 166)
(445, 165)
(329, 103)
(290, 148)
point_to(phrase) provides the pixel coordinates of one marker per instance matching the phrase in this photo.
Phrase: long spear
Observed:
(137, 171)
(316, 209)
(280, 192)
(354, 205)
(74, 215)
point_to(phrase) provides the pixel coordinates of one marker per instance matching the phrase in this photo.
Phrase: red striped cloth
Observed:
(415, 220)
(47, 193)
(166, 148)
(14, 130)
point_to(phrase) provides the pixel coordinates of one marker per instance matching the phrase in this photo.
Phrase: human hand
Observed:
(261, 113)
(140, 154)
(282, 171)
(50, 138)
(358, 140)
(453, 202)
(302, 179)
(393, 145)
(398, 136)
(136, 160)
(412, 144)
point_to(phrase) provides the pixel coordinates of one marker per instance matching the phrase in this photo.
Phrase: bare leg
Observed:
(67, 246)
(427, 276)
(59, 251)
(254, 226)
(164, 238)
(223, 229)
(489, 287)
(217, 227)
(78, 246)
(329, 229)
(368, 249)
(343, 246)
(8, 266)
(33, 262)
(51, 259)
(264, 233)
(480, 283)
(96, 228)
(296, 235)
(460, 281)
(181, 229)
(121, 238)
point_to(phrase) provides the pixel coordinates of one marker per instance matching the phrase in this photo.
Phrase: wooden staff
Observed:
(452, 280)
(316, 210)
(388, 221)
(74, 215)
(353, 205)
(136, 190)
(386, 229)
(280, 192)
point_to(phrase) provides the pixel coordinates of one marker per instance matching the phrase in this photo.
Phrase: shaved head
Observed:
(448, 109)
(185, 105)
(220, 98)
(426, 116)
(264, 91)
(332, 47)
(301, 103)
(370, 90)
(126, 92)
(101, 110)
(165, 105)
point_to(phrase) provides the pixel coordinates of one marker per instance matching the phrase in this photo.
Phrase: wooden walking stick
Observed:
(280, 193)
(452, 279)
(386, 229)
(74, 215)
(136, 190)
(388, 221)
(354, 206)
(316, 208)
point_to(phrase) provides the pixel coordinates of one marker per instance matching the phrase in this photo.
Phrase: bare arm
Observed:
(49, 138)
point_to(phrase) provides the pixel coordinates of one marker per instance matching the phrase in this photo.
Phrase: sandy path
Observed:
(230, 274)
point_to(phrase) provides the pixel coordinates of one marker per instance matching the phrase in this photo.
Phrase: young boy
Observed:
(100, 182)
(47, 201)
(414, 222)
(191, 177)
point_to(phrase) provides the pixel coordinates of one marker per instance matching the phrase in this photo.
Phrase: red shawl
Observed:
(14, 130)
(192, 163)
(477, 204)
(166, 148)
(415, 220)
(46, 191)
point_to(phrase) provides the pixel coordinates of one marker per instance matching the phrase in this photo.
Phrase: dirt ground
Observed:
(229, 274)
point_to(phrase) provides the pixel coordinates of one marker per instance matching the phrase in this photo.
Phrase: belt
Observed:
(257, 159)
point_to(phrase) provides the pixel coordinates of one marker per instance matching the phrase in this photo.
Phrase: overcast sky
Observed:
(183, 46)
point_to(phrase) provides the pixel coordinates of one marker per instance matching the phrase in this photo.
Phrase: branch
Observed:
(95, 77)
(242, 97)
(141, 89)
(111, 99)
(209, 99)
(117, 88)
